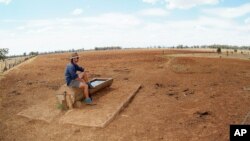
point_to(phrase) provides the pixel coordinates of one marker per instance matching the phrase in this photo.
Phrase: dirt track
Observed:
(182, 98)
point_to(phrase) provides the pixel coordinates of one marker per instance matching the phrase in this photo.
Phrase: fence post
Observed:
(1, 66)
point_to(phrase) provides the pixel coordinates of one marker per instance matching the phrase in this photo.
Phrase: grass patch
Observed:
(60, 106)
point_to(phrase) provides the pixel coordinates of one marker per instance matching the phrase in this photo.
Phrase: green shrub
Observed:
(219, 50)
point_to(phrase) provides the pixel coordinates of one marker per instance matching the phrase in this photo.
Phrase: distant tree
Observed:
(219, 50)
(3, 52)
(33, 53)
(180, 46)
(24, 54)
(108, 48)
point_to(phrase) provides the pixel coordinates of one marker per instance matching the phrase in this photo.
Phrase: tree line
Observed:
(215, 46)
(62, 51)
(4, 51)
(108, 48)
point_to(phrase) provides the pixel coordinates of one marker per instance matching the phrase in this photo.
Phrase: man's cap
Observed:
(74, 55)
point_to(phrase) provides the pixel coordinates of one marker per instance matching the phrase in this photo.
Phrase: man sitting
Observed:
(77, 80)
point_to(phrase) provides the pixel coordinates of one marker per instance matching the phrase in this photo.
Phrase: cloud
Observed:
(118, 20)
(153, 12)
(5, 1)
(216, 23)
(77, 12)
(150, 1)
(186, 4)
(126, 30)
(200, 31)
(247, 20)
(229, 12)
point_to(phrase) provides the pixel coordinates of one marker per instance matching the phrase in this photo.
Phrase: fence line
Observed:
(12, 62)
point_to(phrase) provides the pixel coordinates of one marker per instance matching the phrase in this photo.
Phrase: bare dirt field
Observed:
(182, 98)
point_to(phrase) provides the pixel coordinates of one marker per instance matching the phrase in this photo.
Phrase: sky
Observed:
(49, 25)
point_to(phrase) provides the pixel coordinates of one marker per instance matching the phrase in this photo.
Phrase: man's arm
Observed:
(81, 69)
(81, 77)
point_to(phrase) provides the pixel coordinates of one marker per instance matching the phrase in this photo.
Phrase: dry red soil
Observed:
(181, 99)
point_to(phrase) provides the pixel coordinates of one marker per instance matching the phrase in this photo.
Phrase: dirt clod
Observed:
(14, 93)
(172, 94)
(77, 130)
(158, 85)
(125, 78)
(203, 113)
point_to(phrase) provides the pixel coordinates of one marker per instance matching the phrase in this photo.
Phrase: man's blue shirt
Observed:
(70, 72)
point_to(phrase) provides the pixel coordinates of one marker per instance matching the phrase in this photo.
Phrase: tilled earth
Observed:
(181, 99)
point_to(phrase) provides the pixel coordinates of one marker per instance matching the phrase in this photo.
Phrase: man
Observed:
(77, 80)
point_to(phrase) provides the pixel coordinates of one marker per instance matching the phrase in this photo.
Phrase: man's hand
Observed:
(81, 80)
